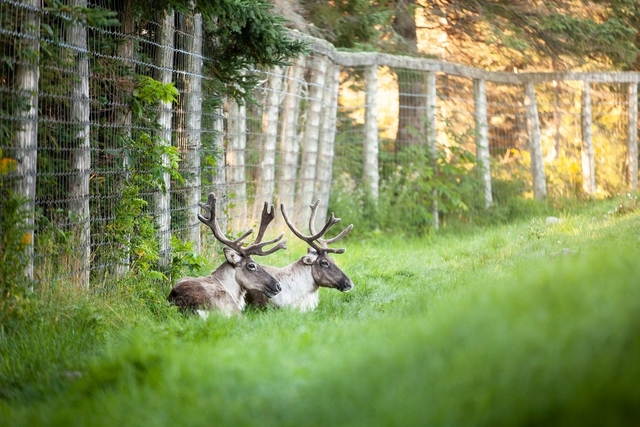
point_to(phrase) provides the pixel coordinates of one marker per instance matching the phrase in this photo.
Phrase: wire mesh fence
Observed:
(113, 133)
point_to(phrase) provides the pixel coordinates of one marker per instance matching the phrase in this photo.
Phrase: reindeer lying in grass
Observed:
(301, 280)
(224, 290)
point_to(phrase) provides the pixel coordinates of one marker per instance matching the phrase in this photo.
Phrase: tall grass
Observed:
(521, 324)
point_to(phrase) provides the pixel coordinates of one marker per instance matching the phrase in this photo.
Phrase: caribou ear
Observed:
(310, 257)
(232, 256)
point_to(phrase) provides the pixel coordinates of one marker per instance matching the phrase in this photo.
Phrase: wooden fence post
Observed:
(235, 158)
(123, 118)
(432, 135)
(326, 142)
(482, 137)
(632, 136)
(218, 178)
(289, 136)
(76, 35)
(267, 173)
(307, 174)
(370, 168)
(588, 162)
(164, 74)
(193, 120)
(26, 85)
(535, 146)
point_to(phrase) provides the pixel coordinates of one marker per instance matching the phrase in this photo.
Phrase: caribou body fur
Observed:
(299, 290)
(301, 282)
(224, 290)
(218, 291)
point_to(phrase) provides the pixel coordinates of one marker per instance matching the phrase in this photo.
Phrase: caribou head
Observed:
(249, 274)
(324, 270)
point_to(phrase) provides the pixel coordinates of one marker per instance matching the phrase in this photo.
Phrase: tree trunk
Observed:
(26, 84)
(76, 36)
(307, 175)
(412, 106)
(164, 73)
(411, 84)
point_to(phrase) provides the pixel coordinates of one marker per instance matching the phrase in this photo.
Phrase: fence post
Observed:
(193, 119)
(327, 142)
(26, 83)
(123, 117)
(235, 157)
(76, 35)
(218, 178)
(535, 146)
(370, 167)
(632, 136)
(289, 137)
(482, 137)
(164, 74)
(432, 138)
(588, 162)
(267, 173)
(307, 174)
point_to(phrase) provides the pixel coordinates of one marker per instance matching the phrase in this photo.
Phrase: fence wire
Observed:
(106, 156)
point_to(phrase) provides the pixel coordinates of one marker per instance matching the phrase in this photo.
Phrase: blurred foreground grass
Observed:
(523, 324)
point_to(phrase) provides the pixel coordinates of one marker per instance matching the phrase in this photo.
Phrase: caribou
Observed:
(301, 280)
(225, 288)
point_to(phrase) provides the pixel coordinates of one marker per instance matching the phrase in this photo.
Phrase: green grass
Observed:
(521, 324)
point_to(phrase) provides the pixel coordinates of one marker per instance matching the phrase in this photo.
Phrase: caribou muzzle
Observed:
(272, 289)
(345, 285)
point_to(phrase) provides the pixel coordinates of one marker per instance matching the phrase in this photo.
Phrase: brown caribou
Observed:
(225, 288)
(301, 280)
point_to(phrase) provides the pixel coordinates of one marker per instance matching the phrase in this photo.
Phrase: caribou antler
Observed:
(255, 248)
(210, 207)
(322, 244)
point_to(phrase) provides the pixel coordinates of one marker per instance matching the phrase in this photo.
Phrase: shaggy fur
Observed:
(224, 290)
(301, 282)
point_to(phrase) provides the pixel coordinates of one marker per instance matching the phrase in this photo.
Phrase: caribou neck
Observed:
(225, 277)
(299, 290)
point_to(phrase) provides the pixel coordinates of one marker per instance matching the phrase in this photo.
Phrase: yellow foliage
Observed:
(7, 165)
(27, 239)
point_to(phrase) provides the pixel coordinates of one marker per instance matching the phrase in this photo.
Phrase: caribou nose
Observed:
(347, 286)
(272, 290)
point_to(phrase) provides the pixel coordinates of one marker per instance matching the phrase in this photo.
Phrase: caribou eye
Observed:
(252, 266)
(324, 263)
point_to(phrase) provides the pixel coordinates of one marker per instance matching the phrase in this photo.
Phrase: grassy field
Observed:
(520, 324)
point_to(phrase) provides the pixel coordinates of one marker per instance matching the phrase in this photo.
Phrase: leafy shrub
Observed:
(407, 195)
(15, 237)
(186, 261)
